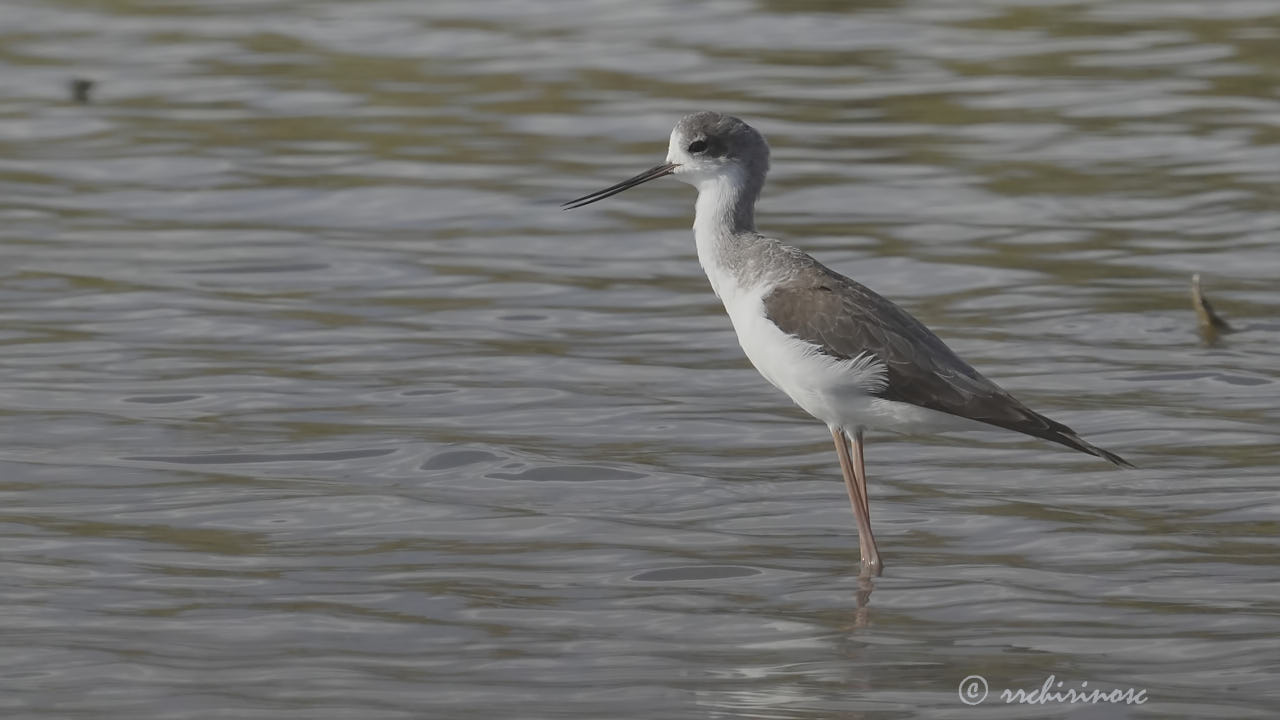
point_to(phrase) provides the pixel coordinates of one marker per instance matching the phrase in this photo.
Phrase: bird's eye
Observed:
(697, 146)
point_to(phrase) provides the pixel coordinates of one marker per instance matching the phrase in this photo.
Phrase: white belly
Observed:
(835, 391)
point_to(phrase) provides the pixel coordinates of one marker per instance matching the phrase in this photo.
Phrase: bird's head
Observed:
(704, 146)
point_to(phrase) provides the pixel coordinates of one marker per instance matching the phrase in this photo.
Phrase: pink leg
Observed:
(855, 482)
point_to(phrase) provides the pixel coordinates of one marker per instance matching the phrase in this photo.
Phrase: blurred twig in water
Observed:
(1211, 325)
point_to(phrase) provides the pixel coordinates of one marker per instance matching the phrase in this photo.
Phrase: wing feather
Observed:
(845, 319)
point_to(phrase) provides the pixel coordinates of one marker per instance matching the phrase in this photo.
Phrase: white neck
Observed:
(726, 203)
(723, 217)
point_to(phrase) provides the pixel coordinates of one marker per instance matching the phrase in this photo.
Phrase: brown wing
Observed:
(845, 319)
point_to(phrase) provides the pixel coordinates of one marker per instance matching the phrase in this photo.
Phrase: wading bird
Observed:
(844, 354)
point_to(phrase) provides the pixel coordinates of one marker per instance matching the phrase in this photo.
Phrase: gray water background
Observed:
(314, 405)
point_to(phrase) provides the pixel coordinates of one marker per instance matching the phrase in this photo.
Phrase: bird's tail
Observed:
(1032, 423)
(1074, 441)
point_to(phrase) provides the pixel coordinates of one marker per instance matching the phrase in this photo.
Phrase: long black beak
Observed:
(644, 177)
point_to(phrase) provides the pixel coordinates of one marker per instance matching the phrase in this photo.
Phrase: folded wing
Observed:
(845, 319)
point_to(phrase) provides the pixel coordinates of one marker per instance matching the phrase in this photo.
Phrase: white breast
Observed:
(825, 387)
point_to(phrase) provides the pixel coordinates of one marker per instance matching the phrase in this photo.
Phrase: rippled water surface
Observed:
(314, 405)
